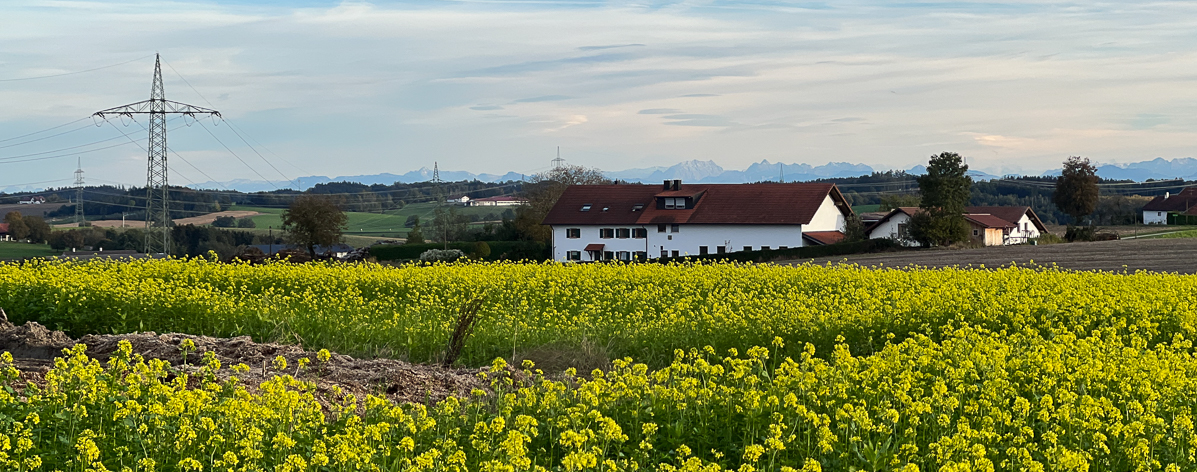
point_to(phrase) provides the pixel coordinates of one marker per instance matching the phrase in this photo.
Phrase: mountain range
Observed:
(700, 172)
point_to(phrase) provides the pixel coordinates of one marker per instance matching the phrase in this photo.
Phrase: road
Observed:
(1159, 255)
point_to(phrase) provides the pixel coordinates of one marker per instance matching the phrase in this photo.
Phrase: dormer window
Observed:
(638, 207)
(675, 203)
(586, 207)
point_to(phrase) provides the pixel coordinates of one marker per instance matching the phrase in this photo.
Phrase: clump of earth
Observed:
(34, 348)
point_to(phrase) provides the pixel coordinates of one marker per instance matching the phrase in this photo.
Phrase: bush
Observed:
(246, 223)
(1048, 238)
(441, 255)
(481, 250)
(1080, 233)
(225, 222)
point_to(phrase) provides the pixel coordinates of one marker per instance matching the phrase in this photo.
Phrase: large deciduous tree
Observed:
(313, 220)
(944, 193)
(17, 229)
(542, 193)
(1076, 189)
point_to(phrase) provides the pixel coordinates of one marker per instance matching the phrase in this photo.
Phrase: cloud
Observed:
(543, 98)
(486, 107)
(694, 119)
(659, 111)
(701, 95)
(597, 48)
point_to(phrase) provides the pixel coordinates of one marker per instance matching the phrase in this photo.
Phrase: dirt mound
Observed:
(34, 347)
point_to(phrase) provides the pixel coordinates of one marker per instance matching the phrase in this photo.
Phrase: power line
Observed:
(205, 127)
(76, 72)
(42, 131)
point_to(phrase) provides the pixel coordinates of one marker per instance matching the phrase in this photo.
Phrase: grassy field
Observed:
(389, 224)
(1188, 233)
(14, 250)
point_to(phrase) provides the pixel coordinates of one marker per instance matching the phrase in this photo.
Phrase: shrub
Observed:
(481, 250)
(441, 255)
(246, 223)
(224, 222)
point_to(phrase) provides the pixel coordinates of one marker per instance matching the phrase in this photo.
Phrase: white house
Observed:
(994, 225)
(622, 222)
(4, 234)
(32, 200)
(459, 199)
(498, 201)
(1156, 211)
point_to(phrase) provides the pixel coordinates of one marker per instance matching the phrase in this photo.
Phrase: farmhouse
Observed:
(32, 200)
(4, 234)
(626, 221)
(1182, 206)
(992, 225)
(498, 201)
(459, 199)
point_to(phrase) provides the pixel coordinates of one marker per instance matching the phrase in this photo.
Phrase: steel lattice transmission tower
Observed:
(79, 192)
(157, 202)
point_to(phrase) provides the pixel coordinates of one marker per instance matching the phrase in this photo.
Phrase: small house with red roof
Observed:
(4, 234)
(627, 221)
(1157, 210)
(991, 225)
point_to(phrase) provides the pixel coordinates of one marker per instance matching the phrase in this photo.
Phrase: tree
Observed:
(412, 221)
(225, 222)
(16, 225)
(854, 229)
(542, 193)
(313, 220)
(246, 223)
(889, 202)
(39, 230)
(1076, 189)
(449, 225)
(415, 236)
(945, 193)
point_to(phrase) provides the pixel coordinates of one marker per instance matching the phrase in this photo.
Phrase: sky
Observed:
(347, 88)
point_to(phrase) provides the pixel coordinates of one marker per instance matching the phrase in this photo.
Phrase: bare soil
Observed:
(194, 220)
(34, 348)
(1156, 255)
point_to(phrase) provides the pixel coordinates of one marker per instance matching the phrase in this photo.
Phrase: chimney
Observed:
(677, 184)
(1167, 194)
(666, 187)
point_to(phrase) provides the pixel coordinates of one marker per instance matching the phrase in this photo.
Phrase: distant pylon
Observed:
(558, 162)
(79, 192)
(157, 201)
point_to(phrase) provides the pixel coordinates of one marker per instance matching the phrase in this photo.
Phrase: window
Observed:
(660, 228)
(668, 203)
(747, 248)
(573, 233)
(586, 207)
(638, 207)
(902, 230)
(702, 250)
(975, 232)
(606, 233)
(625, 255)
(670, 237)
(764, 248)
(573, 255)
(640, 255)
(639, 233)
(721, 249)
(664, 253)
(608, 255)
(676, 254)
(675, 228)
(783, 247)
(623, 233)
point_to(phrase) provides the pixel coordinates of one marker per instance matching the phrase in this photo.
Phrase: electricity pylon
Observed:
(157, 201)
(79, 193)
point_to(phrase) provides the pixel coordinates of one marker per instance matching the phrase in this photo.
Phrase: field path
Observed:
(1158, 255)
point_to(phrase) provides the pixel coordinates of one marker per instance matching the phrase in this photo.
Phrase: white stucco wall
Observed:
(1155, 217)
(686, 241)
(889, 229)
(1019, 235)
(827, 217)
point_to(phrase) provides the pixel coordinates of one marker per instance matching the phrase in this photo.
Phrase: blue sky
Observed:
(344, 88)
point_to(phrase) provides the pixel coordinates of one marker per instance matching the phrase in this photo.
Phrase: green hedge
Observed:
(499, 250)
(1181, 219)
(807, 252)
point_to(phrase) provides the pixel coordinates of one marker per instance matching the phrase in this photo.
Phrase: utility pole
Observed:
(157, 201)
(79, 193)
(782, 167)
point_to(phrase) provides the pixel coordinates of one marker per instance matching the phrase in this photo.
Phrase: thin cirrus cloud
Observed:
(345, 88)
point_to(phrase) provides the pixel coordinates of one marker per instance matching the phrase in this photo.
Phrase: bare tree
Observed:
(542, 193)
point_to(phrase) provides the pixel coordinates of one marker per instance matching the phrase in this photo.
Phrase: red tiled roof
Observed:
(3, 228)
(910, 211)
(499, 199)
(987, 221)
(763, 203)
(824, 237)
(1009, 213)
(1183, 201)
(594, 247)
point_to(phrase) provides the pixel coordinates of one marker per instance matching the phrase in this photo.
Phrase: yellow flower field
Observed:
(643, 311)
